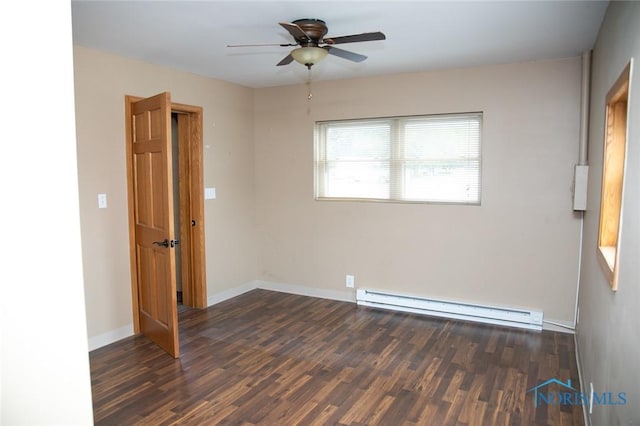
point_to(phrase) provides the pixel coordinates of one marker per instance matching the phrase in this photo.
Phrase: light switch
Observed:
(102, 201)
(209, 193)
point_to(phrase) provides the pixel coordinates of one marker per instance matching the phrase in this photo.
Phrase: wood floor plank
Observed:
(268, 358)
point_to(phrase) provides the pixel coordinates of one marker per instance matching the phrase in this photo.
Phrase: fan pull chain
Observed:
(310, 94)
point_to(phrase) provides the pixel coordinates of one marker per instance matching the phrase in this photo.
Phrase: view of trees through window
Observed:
(413, 159)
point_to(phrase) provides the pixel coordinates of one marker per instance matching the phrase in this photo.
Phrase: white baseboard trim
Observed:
(343, 296)
(231, 293)
(350, 296)
(558, 325)
(585, 407)
(104, 339)
(112, 336)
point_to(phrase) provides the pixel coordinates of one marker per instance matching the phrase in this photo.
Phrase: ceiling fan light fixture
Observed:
(309, 55)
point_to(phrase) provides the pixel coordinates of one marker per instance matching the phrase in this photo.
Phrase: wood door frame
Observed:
(191, 178)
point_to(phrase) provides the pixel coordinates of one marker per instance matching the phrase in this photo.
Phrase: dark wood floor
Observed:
(277, 359)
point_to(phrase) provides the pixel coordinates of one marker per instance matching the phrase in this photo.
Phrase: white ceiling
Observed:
(421, 35)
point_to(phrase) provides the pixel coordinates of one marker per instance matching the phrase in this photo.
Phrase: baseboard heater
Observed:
(528, 319)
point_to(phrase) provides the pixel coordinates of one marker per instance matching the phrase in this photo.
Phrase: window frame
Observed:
(613, 176)
(396, 161)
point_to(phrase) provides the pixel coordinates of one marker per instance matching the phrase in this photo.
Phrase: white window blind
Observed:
(432, 158)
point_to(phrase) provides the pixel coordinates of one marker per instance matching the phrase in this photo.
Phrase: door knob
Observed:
(164, 243)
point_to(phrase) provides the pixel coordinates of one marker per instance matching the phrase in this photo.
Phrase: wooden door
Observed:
(149, 124)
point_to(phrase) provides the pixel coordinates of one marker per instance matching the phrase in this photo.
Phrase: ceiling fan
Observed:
(309, 35)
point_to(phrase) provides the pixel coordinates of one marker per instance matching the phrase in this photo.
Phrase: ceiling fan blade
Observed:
(355, 38)
(297, 32)
(286, 60)
(345, 54)
(261, 44)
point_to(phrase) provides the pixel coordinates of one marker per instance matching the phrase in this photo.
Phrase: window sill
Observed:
(398, 201)
(607, 260)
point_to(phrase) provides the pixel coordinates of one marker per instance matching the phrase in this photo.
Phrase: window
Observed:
(434, 158)
(612, 176)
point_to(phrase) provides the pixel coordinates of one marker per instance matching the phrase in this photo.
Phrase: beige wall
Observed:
(608, 331)
(520, 248)
(101, 82)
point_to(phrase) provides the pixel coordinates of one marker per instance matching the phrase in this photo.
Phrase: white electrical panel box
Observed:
(580, 188)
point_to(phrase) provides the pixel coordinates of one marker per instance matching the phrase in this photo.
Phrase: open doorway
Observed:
(175, 159)
(189, 186)
(188, 193)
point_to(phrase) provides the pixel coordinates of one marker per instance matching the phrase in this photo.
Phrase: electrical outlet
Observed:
(350, 281)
